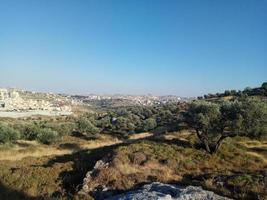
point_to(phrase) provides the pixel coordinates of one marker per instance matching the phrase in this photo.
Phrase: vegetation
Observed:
(30, 131)
(232, 172)
(34, 130)
(258, 91)
(47, 136)
(264, 86)
(217, 142)
(8, 134)
(85, 126)
(214, 122)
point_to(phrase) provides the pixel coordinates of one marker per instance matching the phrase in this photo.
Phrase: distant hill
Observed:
(108, 101)
(258, 91)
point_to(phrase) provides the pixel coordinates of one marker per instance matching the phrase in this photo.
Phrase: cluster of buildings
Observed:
(134, 99)
(12, 100)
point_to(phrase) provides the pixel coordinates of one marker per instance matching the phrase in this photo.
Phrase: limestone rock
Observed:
(160, 191)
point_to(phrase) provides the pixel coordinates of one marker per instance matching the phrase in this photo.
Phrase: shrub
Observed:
(30, 132)
(65, 128)
(47, 136)
(8, 134)
(149, 124)
(123, 126)
(69, 127)
(87, 127)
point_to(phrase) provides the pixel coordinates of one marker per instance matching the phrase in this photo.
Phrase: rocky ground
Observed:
(107, 166)
(173, 159)
(160, 191)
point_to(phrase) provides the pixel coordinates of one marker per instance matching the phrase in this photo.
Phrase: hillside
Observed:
(172, 159)
(260, 92)
(219, 145)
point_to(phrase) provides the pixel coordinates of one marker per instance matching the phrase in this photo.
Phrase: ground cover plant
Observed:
(218, 143)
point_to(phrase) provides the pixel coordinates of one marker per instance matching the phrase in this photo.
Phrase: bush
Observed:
(87, 127)
(65, 128)
(47, 136)
(123, 126)
(30, 132)
(149, 124)
(8, 134)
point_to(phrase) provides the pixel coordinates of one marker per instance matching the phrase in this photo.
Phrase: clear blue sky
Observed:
(182, 47)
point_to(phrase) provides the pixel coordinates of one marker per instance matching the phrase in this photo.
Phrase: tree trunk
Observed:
(203, 141)
(206, 145)
(219, 142)
(198, 134)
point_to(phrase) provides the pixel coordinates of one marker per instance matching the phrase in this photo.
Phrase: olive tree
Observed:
(214, 122)
(86, 127)
(254, 116)
(47, 136)
(123, 125)
(149, 124)
(7, 133)
(204, 118)
(264, 85)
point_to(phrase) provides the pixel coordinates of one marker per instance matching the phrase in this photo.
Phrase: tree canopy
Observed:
(214, 122)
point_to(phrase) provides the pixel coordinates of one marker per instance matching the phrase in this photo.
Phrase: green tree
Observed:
(47, 136)
(65, 128)
(149, 124)
(30, 131)
(8, 134)
(214, 122)
(123, 126)
(227, 93)
(204, 117)
(264, 86)
(254, 113)
(86, 127)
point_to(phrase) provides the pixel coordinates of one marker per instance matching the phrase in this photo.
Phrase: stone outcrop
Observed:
(153, 191)
(101, 164)
(160, 191)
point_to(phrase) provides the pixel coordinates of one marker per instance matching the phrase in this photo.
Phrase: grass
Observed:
(231, 172)
(48, 176)
(68, 145)
(30, 170)
(58, 170)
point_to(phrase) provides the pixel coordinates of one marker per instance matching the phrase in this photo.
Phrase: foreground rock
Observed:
(155, 191)
(159, 191)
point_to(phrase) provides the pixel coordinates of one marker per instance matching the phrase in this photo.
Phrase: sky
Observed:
(159, 47)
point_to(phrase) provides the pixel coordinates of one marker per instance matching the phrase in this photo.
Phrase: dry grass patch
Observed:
(69, 144)
(172, 160)
(29, 170)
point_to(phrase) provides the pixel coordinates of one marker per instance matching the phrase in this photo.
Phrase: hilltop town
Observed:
(14, 101)
(116, 100)
(20, 103)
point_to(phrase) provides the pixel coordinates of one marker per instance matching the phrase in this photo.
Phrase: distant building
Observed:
(16, 100)
(3, 94)
(2, 104)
